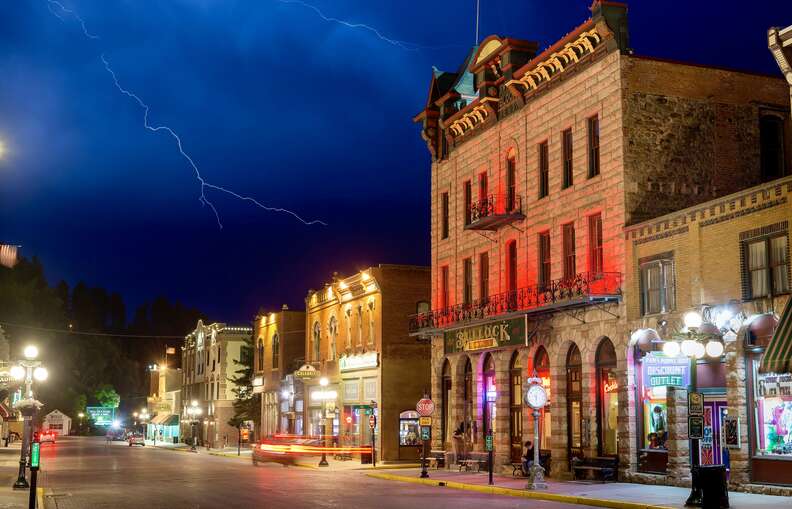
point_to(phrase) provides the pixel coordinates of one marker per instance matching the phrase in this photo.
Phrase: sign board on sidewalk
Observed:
(426, 433)
(424, 421)
(695, 427)
(425, 407)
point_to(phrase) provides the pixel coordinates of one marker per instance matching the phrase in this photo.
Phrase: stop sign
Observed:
(425, 407)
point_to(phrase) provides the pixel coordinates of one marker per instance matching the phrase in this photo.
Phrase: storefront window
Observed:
(608, 398)
(409, 431)
(516, 417)
(446, 394)
(542, 368)
(774, 413)
(490, 395)
(574, 395)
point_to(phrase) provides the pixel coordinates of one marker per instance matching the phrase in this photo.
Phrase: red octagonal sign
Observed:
(425, 407)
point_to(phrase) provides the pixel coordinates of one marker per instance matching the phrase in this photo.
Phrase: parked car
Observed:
(136, 439)
(45, 436)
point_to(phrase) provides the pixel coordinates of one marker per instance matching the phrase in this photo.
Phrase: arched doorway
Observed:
(467, 404)
(490, 395)
(607, 398)
(515, 407)
(542, 368)
(445, 391)
(574, 392)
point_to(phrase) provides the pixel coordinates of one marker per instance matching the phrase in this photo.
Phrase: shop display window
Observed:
(774, 414)
(655, 415)
(409, 430)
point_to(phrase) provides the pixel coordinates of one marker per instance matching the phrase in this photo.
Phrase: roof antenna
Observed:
(478, 4)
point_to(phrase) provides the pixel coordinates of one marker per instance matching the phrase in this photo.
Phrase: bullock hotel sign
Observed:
(490, 335)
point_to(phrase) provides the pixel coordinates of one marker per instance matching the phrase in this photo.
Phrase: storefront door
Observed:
(574, 404)
(490, 396)
(710, 447)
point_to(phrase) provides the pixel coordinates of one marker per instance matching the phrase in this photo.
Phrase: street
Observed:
(87, 473)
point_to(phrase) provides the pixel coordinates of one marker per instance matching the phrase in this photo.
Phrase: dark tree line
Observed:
(82, 366)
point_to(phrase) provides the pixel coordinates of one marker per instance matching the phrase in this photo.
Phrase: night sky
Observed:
(272, 102)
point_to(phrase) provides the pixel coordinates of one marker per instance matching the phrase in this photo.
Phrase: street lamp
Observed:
(27, 370)
(144, 416)
(80, 416)
(324, 396)
(193, 411)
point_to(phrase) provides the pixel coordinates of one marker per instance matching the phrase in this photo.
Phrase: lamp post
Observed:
(193, 411)
(699, 339)
(324, 396)
(27, 370)
(79, 426)
(144, 416)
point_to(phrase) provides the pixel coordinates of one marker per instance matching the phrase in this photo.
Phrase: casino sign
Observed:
(485, 336)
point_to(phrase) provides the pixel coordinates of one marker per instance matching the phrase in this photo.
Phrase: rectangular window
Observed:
(483, 186)
(483, 276)
(468, 192)
(566, 149)
(593, 146)
(595, 243)
(511, 266)
(511, 183)
(544, 259)
(444, 287)
(544, 170)
(444, 216)
(467, 289)
(767, 266)
(657, 286)
(570, 269)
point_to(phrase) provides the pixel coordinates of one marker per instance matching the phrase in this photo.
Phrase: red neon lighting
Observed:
(610, 386)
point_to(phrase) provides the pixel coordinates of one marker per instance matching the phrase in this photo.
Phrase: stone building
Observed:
(539, 161)
(208, 361)
(279, 350)
(164, 402)
(357, 338)
(728, 260)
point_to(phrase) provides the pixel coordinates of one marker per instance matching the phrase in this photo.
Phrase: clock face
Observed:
(535, 396)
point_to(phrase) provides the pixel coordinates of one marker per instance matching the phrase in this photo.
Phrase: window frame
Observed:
(275, 351)
(768, 266)
(566, 158)
(467, 281)
(543, 154)
(569, 250)
(780, 169)
(544, 274)
(511, 266)
(593, 132)
(667, 293)
(511, 183)
(483, 276)
(467, 193)
(445, 293)
(444, 213)
(595, 242)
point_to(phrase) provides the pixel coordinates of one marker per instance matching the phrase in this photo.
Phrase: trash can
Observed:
(714, 488)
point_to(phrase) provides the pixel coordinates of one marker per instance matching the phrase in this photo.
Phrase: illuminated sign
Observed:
(101, 415)
(362, 361)
(306, 372)
(657, 370)
(481, 337)
(610, 386)
(34, 454)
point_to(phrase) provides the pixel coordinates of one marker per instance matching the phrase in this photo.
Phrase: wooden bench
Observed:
(470, 464)
(598, 468)
(437, 459)
(517, 468)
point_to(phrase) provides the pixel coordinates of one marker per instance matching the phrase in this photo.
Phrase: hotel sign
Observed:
(658, 370)
(362, 361)
(490, 335)
(306, 372)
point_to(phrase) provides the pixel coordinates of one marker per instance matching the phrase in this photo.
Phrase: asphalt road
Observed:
(86, 473)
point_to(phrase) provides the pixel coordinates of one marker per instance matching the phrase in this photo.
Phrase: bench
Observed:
(597, 468)
(517, 468)
(470, 464)
(544, 460)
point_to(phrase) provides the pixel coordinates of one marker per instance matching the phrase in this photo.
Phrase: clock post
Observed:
(536, 398)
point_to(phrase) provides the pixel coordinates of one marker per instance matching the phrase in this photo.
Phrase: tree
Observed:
(107, 396)
(247, 405)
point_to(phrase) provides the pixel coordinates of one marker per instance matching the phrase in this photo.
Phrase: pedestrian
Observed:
(528, 458)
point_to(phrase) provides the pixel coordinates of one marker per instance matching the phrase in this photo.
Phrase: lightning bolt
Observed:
(204, 184)
(409, 46)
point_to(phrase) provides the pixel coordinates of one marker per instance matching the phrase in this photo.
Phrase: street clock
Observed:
(535, 396)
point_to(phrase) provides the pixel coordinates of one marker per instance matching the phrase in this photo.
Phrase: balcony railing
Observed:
(495, 211)
(585, 288)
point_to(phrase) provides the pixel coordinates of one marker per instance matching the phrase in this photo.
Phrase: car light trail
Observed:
(52, 5)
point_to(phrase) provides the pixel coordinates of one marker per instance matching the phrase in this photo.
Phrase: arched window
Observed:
(372, 328)
(771, 146)
(574, 402)
(332, 330)
(316, 342)
(445, 424)
(275, 351)
(260, 354)
(348, 316)
(490, 395)
(541, 366)
(607, 398)
(511, 181)
(511, 271)
(360, 326)
(515, 410)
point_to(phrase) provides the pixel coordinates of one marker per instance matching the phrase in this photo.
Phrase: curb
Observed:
(174, 449)
(512, 492)
(390, 467)
(40, 498)
(230, 455)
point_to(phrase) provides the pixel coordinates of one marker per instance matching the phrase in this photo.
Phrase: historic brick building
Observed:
(279, 350)
(357, 338)
(539, 161)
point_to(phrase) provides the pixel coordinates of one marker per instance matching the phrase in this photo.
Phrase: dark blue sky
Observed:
(274, 102)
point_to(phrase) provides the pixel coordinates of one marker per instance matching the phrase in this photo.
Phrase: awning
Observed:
(172, 420)
(160, 419)
(778, 356)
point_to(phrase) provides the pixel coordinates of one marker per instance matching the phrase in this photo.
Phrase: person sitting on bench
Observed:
(528, 458)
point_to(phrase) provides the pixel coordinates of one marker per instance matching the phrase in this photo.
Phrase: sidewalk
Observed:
(614, 495)
(9, 468)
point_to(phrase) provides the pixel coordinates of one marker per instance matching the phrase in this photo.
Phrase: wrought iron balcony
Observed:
(584, 289)
(495, 211)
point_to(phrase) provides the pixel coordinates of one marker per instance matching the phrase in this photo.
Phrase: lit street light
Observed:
(27, 370)
(324, 396)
